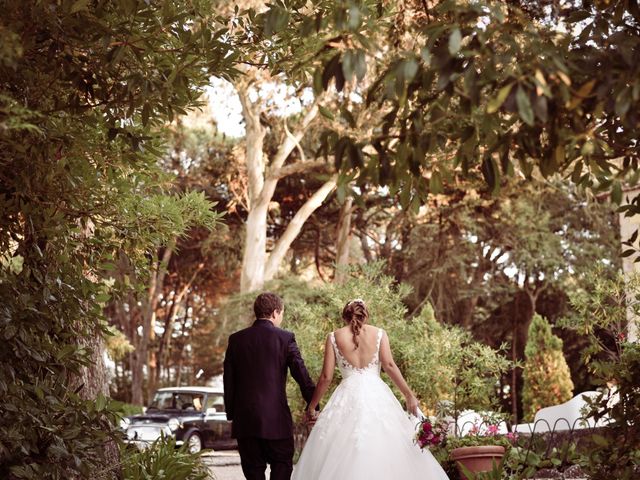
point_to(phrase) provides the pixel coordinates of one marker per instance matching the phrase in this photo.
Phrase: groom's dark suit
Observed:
(255, 377)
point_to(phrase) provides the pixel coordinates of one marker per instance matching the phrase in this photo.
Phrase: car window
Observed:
(215, 400)
(178, 400)
(190, 401)
(162, 401)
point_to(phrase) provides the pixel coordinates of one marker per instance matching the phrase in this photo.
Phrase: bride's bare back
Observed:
(356, 315)
(368, 341)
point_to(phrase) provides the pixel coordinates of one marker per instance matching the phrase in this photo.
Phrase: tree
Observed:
(547, 380)
(262, 179)
(483, 88)
(84, 87)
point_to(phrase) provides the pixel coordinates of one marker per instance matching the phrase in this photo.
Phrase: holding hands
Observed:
(311, 416)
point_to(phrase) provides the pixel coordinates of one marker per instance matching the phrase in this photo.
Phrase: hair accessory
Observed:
(356, 300)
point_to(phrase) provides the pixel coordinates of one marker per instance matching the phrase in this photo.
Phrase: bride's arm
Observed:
(326, 375)
(391, 369)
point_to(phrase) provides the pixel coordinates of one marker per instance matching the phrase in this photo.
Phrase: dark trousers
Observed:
(255, 453)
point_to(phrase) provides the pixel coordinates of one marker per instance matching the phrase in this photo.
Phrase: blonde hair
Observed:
(355, 313)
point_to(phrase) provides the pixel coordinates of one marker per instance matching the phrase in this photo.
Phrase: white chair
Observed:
(570, 415)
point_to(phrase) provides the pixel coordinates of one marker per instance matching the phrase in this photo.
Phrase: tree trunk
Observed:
(142, 356)
(165, 341)
(296, 224)
(255, 243)
(137, 371)
(256, 267)
(342, 240)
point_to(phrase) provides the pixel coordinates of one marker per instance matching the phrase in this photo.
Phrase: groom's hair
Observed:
(267, 303)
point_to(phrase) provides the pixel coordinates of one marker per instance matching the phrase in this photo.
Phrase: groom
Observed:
(255, 377)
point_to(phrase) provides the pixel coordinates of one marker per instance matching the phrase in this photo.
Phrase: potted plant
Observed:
(481, 450)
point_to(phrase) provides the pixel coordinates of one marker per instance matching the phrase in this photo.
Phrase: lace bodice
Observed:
(346, 369)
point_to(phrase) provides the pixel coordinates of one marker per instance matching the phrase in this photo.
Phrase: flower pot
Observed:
(477, 459)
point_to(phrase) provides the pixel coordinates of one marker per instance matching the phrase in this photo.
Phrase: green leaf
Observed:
(578, 16)
(409, 69)
(79, 5)
(331, 69)
(491, 173)
(325, 112)
(455, 41)
(426, 56)
(524, 106)
(495, 103)
(340, 148)
(616, 193)
(582, 93)
(541, 108)
(361, 65)
(146, 111)
(348, 64)
(103, 297)
(623, 102)
(560, 156)
(600, 440)
(435, 183)
(355, 156)
(317, 82)
(101, 402)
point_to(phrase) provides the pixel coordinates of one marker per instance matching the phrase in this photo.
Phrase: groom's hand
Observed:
(311, 417)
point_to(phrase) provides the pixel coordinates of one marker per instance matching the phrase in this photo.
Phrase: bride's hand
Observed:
(310, 417)
(412, 404)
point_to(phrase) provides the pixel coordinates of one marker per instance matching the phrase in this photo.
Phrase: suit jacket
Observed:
(255, 378)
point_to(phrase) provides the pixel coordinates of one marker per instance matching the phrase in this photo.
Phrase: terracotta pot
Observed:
(477, 459)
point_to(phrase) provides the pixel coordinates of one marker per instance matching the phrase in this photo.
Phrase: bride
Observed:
(363, 433)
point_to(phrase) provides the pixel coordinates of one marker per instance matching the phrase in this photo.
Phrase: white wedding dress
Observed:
(363, 433)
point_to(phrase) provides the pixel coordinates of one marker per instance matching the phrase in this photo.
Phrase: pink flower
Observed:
(512, 436)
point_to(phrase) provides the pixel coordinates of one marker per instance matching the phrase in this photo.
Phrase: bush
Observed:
(547, 380)
(602, 312)
(123, 409)
(162, 460)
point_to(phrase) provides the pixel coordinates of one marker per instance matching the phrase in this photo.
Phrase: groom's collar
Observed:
(263, 322)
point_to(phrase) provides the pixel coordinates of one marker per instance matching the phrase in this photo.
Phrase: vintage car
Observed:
(193, 415)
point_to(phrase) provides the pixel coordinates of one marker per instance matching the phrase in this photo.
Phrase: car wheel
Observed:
(194, 443)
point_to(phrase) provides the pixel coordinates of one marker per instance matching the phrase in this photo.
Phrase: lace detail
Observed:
(344, 364)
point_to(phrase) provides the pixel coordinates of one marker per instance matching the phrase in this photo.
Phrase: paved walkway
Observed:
(225, 465)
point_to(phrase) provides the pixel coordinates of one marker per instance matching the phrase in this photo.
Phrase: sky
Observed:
(226, 110)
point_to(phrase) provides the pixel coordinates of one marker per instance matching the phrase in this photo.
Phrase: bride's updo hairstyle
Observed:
(355, 313)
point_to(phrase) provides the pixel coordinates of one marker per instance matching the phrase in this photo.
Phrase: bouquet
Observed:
(430, 434)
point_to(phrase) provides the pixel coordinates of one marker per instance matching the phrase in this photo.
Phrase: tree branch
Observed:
(295, 226)
(294, 168)
(292, 140)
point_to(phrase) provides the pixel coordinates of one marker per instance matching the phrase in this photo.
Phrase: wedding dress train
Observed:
(363, 433)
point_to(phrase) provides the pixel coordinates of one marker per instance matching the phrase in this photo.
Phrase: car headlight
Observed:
(124, 423)
(173, 424)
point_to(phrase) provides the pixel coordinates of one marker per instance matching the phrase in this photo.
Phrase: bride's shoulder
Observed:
(341, 330)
